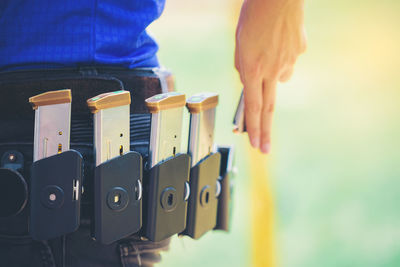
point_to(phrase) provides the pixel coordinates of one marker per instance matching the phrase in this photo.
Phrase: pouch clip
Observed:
(56, 186)
(226, 182)
(166, 206)
(118, 198)
(203, 201)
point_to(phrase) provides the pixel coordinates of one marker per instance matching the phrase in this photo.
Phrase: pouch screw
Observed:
(52, 197)
(205, 196)
(12, 157)
(168, 199)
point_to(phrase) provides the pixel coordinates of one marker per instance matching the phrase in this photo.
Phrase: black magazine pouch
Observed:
(56, 195)
(203, 201)
(166, 186)
(117, 198)
(226, 182)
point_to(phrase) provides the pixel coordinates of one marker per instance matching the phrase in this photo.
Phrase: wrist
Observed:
(273, 7)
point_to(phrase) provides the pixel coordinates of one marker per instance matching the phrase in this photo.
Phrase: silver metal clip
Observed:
(202, 122)
(111, 124)
(166, 126)
(239, 119)
(52, 123)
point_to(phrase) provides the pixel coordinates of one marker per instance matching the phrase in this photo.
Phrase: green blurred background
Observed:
(334, 168)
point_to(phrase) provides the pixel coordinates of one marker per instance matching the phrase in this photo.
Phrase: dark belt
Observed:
(17, 87)
(17, 121)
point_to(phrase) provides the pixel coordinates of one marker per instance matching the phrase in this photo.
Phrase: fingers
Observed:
(303, 42)
(286, 75)
(237, 65)
(253, 107)
(269, 95)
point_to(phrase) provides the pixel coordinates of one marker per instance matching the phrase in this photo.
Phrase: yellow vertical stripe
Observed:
(262, 210)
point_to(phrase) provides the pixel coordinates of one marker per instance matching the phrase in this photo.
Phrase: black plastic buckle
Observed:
(166, 204)
(117, 198)
(56, 195)
(203, 200)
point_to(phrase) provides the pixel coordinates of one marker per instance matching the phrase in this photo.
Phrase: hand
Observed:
(269, 38)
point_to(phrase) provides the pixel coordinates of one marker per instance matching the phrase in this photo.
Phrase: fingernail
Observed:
(265, 148)
(255, 142)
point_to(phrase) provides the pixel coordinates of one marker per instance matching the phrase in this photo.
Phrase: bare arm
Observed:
(269, 38)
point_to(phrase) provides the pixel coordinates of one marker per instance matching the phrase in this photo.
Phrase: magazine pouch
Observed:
(166, 190)
(55, 195)
(203, 200)
(226, 181)
(117, 198)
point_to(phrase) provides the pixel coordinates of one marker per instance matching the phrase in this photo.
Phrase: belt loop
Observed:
(47, 255)
(88, 71)
(139, 259)
(166, 79)
(126, 256)
(123, 253)
(63, 252)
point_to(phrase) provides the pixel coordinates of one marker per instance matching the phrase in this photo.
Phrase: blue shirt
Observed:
(73, 33)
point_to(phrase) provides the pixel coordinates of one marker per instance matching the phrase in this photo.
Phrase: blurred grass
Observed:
(335, 163)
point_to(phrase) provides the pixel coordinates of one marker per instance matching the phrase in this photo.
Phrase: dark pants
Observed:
(16, 134)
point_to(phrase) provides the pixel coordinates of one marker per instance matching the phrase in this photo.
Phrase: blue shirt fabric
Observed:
(73, 33)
